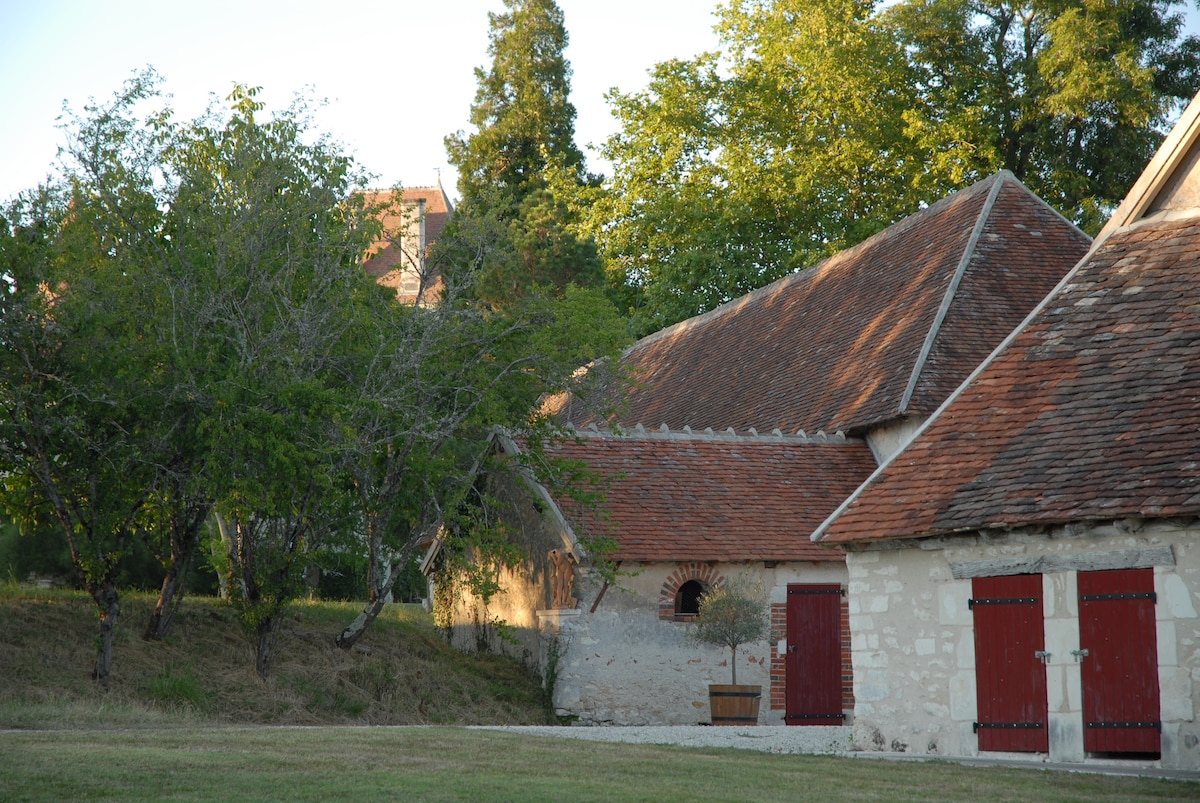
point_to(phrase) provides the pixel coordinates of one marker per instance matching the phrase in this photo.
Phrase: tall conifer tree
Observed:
(520, 172)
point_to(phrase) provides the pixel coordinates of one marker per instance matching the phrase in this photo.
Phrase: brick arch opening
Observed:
(687, 598)
(686, 583)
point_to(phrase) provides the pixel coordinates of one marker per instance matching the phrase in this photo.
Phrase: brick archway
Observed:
(703, 573)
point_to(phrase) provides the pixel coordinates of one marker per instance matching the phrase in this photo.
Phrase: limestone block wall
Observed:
(624, 664)
(912, 639)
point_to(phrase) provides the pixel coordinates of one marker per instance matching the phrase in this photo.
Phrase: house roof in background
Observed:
(674, 496)
(1090, 411)
(384, 256)
(882, 330)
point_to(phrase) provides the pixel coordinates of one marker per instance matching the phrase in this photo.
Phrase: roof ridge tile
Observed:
(663, 432)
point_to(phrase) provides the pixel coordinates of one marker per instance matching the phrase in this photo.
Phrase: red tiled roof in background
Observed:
(874, 333)
(1091, 413)
(682, 496)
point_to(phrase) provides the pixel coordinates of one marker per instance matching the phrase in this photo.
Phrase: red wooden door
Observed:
(1120, 669)
(813, 664)
(1010, 676)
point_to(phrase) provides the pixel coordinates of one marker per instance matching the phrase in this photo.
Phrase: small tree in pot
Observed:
(730, 615)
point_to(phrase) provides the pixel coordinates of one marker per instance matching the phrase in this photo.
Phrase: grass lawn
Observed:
(444, 763)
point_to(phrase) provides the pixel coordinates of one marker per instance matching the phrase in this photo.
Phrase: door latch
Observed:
(1042, 656)
(1079, 655)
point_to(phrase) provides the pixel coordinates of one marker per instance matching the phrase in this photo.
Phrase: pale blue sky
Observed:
(399, 75)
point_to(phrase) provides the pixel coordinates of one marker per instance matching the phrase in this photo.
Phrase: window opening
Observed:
(687, 598)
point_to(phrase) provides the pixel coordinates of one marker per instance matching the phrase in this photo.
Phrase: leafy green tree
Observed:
(418, 436)
(266, 224)
(731, 615)
(80, 437)
(520, 171)
(733, 169)
(820, 122)
(176, 336)
(186, 329)
(522, 112)
(1072, 96)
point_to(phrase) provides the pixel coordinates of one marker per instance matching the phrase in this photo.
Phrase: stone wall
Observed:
(631, 660)
(913, 639)
(623, 664)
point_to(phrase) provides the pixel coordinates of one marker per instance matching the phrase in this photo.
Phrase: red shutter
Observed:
(814, 661)
(1010, 676)
(1120, 670)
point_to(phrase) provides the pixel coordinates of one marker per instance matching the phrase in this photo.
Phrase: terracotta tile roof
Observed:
(717, 497)
(882, 330)
(1091, 412)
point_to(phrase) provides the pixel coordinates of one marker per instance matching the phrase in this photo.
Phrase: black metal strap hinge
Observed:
(1156, 725)
(1150, 595)
(1007, 725)
(971, 603)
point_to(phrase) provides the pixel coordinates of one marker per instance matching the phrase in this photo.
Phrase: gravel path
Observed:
(767, 738)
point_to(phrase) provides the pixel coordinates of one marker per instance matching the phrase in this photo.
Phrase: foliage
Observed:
(35, 553)
(88, 415)
(516, 229)
(732, 614)
(188, 336)
(522, 111)
(1072, 96)
(821, 122)
(420, 434)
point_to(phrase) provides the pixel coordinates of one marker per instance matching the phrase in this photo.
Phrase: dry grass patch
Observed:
(402, 673)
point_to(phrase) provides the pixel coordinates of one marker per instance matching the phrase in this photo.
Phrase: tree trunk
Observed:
(264, 642)
(733, 663)
(170, 597)
(375, 602)
(186, 527)
(223, 589)
(106, 599)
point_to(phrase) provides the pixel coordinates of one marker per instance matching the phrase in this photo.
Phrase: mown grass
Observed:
(440, 764)
(402, 673)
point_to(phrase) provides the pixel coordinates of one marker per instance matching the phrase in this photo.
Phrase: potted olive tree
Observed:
(730, 615)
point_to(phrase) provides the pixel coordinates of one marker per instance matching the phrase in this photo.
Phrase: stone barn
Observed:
(747, 426)
(1025, 576)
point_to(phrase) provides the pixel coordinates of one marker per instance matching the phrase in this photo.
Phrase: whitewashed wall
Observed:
(913, 640)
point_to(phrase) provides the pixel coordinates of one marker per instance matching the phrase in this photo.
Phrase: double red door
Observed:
(1010, 675)
(1120, 666)
(813, 663)
(1118, 655)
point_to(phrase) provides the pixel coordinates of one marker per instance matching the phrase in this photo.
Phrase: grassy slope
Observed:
(401, 673)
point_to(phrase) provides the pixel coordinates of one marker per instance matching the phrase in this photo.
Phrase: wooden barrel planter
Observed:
(734, 705)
